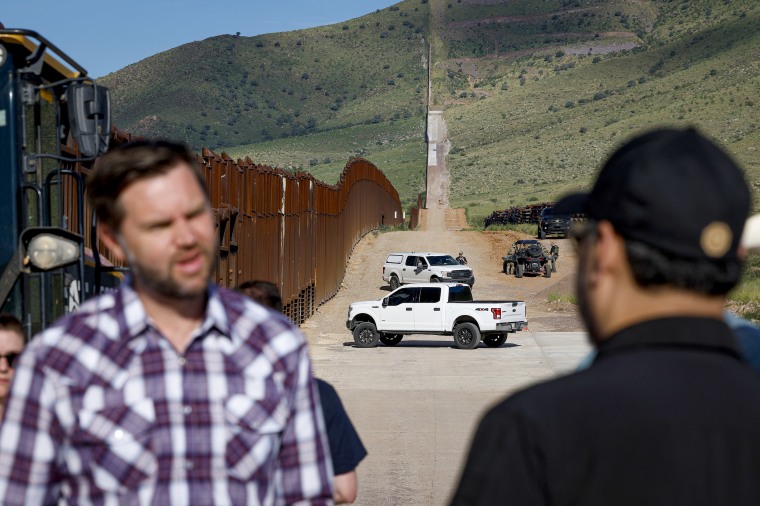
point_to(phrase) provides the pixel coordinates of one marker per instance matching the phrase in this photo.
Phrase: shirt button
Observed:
(187, 410)
(118, 434)
(181, 361)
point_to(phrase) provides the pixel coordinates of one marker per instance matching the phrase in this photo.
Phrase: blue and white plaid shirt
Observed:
(103, 410)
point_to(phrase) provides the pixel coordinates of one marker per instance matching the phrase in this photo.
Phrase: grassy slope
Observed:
(532, 104)
(519, 142)
(227, 91)
(396, 147)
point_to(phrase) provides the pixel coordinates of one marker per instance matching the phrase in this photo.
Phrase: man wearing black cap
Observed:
(667, 413)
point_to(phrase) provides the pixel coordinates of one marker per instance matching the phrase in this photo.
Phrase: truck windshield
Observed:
(460, 293)
(442, 260)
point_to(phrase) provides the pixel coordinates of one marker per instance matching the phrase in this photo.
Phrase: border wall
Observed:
(272, 225)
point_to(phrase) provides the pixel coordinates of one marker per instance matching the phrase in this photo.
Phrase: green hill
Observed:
(535, 92)
(536, 120)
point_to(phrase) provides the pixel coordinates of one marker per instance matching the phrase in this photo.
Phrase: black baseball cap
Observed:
(672, 189)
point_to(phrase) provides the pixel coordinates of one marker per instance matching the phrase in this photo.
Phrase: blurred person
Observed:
(667, 412)
(265, 293)
(461, 258)
(170, 390)
(346, 448)
(11, 345)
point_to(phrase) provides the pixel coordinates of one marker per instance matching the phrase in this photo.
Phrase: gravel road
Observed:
(415, 405)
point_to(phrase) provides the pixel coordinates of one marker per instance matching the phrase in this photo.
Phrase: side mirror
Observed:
(89, 108)
(385, 301)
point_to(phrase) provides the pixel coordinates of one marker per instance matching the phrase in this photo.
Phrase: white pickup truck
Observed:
(435, 308)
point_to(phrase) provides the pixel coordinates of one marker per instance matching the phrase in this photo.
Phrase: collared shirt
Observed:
(667, 414)
(104, 410)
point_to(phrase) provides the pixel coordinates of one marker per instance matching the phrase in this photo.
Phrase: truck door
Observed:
(399, 313)
(429, 311)
(416, 269)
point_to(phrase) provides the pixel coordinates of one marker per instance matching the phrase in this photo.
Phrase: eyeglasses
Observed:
(580, 231)
(10, 357)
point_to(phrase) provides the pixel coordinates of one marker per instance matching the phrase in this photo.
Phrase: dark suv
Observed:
(550, 223)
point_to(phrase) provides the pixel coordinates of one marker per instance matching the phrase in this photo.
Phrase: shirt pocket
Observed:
(114, 445)
(254, 429)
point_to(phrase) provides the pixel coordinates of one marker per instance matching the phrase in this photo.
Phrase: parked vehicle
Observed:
(52, 117)
(435, 308)
(404, 268)
(529, 257)
(551, 223)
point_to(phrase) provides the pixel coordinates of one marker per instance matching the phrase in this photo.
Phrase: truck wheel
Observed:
(466, 335)
(394, 282)
(504, 268)
(547, 271)
(519, 270)
(366, 335)
(494, 340)
(435, 279)
(391, 339)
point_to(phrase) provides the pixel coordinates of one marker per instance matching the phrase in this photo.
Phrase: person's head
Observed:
(671, 205)
(461, 253)
(154, 212)
(263, 292)
(11, 345)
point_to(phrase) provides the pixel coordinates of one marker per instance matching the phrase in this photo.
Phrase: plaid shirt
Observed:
(103, 410)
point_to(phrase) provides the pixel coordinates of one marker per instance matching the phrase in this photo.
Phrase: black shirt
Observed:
(346, 449)
(668, 414)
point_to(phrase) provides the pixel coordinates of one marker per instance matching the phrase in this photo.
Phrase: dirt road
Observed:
(415, 405)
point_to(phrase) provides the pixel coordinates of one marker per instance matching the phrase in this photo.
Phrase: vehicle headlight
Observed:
(47, 251)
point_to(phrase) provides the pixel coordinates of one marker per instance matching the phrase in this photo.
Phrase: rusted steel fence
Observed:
(290, 229)
(414, 214)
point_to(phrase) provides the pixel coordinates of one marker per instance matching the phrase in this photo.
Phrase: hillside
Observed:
(535, 92)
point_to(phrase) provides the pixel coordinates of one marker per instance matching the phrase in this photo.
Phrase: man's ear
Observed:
(609, 248)
(111, 239)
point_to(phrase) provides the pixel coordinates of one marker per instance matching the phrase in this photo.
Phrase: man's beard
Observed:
(164, 284)
(584, 303)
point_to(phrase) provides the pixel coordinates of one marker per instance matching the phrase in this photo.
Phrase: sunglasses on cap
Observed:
(580, 231)
(10, 357)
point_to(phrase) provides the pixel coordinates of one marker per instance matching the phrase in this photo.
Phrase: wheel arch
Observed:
(466, 318)
(362, 318)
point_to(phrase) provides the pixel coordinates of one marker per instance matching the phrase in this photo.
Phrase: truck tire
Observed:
(547, 271)
(366, 335)
(466, 335)
(391, 339)
(494, 340)
(519, 270)
(435, 279)
(394, 282)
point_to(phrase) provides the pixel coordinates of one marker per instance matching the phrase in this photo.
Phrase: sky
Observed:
(105, 36)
